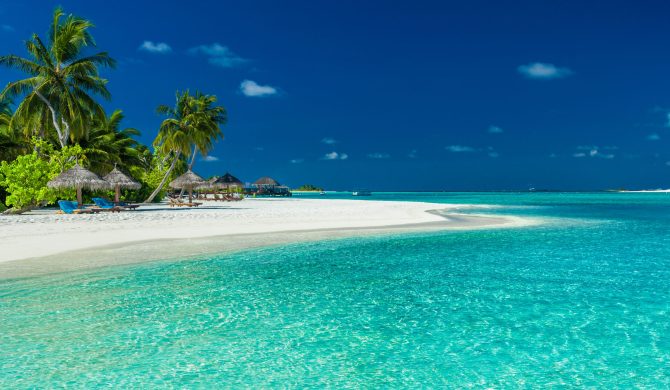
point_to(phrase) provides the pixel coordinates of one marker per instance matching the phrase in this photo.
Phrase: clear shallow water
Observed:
(583, 300)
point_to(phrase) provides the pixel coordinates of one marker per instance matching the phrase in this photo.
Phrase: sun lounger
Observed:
(128, 206)
(172, 202)
(69, 207)
(106, 205)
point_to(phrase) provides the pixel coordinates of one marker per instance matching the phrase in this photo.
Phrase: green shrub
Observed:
(25, 179)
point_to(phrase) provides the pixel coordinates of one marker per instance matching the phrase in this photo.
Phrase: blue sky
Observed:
(385, 95)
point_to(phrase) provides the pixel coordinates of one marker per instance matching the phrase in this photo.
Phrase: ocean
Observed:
(581, 300)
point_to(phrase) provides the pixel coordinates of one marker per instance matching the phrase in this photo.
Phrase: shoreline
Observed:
(132, 237)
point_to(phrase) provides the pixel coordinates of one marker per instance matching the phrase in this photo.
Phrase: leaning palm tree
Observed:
(192, 126)
(208, 130)
(62, 81)
(174, 135)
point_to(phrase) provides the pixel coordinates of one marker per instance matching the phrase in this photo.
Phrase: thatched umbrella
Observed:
(226, 181)
(188, 181)
(78, 178)
(119, 180)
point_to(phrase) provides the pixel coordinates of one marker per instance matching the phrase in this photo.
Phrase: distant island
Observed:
(308, 187)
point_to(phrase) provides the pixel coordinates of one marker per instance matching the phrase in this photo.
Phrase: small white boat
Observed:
(361, 193)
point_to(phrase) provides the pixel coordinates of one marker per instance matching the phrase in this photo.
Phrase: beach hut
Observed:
(79, 178)
(266, 182)
(118, 180)
(269, 186)
(188, 181)
(226, 181)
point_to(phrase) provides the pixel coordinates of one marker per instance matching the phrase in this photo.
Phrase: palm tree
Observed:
(61, 80)
(107, 145)
(11, 143)
(5, 115)
(208, 130)
(192, 126)
(174, 134)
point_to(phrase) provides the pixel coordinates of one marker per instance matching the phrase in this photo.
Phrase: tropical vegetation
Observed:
(53, 117)
(309, 187)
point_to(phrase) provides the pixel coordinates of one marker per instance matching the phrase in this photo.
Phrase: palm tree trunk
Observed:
(190, 166)
(195, 151)
(167, 174)
(62, 137)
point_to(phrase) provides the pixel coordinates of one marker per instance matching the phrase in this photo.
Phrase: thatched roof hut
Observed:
(266, 182)
(188, 181)
(120, 180)
(226, 181)
(79, 178)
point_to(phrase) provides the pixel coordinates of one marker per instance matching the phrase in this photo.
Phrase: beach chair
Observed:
(129, 206)
(69, 207)
(172, 202)
(106, 205)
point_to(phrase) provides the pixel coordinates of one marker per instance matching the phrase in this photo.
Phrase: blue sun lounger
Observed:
(70, 207)
(106, 205)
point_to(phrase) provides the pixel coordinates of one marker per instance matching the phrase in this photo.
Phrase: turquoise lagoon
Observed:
(582, 300)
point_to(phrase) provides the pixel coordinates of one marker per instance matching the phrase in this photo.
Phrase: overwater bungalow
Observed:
(267, 186)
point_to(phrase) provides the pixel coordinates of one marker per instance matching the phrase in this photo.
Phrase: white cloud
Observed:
(379, 156)
(158, 47)
(329, 141)
(667, 163)
(259, 148)
(297, 161)
(412, 153)
(7, 28)
(494, 154)
(539, 70)
(252, 89)
(653, 137)
(335, 156)
(553, 155)
(460, 149)
(209, 159)
(594, 151)
(495, 130)
(667, 120)
(219, 55)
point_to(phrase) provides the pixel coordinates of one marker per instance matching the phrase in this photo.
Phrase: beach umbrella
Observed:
(78, 178)
(118, 180)
(188, 181)
(226, 181)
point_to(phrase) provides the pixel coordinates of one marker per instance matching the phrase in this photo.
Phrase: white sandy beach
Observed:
(214, 226)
